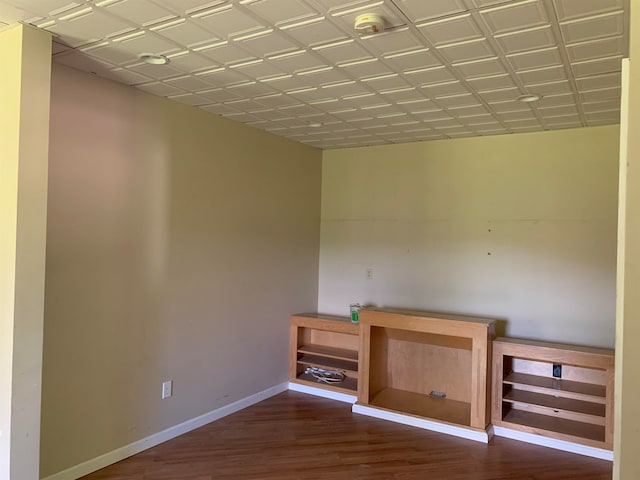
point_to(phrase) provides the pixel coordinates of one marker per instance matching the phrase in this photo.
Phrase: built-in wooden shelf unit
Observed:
(426, 366)
(326, 342)
(578, 407)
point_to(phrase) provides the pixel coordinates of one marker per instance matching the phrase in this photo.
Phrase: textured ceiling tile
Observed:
(595, 67)
(190, 62)
(310, 94)
(559, 110)
(259, 71)
(550, 88)
(593, 28)
(297, 62)
(402, 94)
(557, 100)
(315, 32)
(570, 121)
(365, 68)
(513, 115)
(419, 10)
(227, 53)
(480, 68)
(183, 7)
(389, 43)
(570, 9)
(446, 88)
(492, 82)
(467, 51)
(535, 59)
(515, 16)
(125, 76)
(607, 47)
(421, 58)
(282, 11)
(451, 30)
(594, 82)
(111, 54)
(146, 42)
(218, 109)
(342, 89)
(469, 111)
(528, 39)
(268, 45)
(184, 32)
(188, 83)
(386, 82)
(159, 88)
(500, 95)
(604, 117)
(219, 95)
(88, 27)
(346, 51)
(542, 75)
(228, 22)
(142, 12)
(251, 89)
(461, 100)
(323, 76)
(426, 76)
(601, 106)
(158, 72)
(222, 77)
(189, 99)
(509, 106)
(276, 100)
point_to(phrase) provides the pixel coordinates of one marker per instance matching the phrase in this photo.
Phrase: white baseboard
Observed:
(468, 433)
(121, 453)
(323, 392)
(553, 443)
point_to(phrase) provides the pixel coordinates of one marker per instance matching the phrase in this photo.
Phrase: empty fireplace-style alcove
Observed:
(426, 369)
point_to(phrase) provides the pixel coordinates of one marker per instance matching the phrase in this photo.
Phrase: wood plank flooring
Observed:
(294, 436)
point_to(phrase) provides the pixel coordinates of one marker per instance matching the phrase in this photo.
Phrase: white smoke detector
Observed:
(369, 23)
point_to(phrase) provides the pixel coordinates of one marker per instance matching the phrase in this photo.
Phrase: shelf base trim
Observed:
(322, 392)
(572, 447)
(468, 433)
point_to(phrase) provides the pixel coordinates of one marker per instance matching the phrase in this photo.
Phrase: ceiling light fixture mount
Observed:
(153, 59)
(368, 23)
(530, 98)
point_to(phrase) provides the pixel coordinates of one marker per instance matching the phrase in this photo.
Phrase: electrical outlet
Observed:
(167, 389)
(557, 370)
(369, 273)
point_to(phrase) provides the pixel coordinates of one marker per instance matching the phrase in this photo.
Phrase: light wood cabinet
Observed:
(427, 366)
(324, 342)
(577, 407)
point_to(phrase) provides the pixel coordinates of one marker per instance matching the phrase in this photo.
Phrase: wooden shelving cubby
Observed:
(576, 407)
(326, 342)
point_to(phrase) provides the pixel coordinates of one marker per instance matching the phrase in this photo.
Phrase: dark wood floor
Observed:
(297, 436)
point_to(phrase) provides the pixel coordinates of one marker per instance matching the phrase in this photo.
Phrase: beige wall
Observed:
(178, 245)
(516, 227)
(25, 59)
(627, 420)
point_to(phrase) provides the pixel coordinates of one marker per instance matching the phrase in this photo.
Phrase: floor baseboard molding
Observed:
(121, 453)
(553, 443)
(463, 432)
(323, 392)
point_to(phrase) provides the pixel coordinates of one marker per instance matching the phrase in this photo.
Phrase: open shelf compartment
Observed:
(578, 407)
